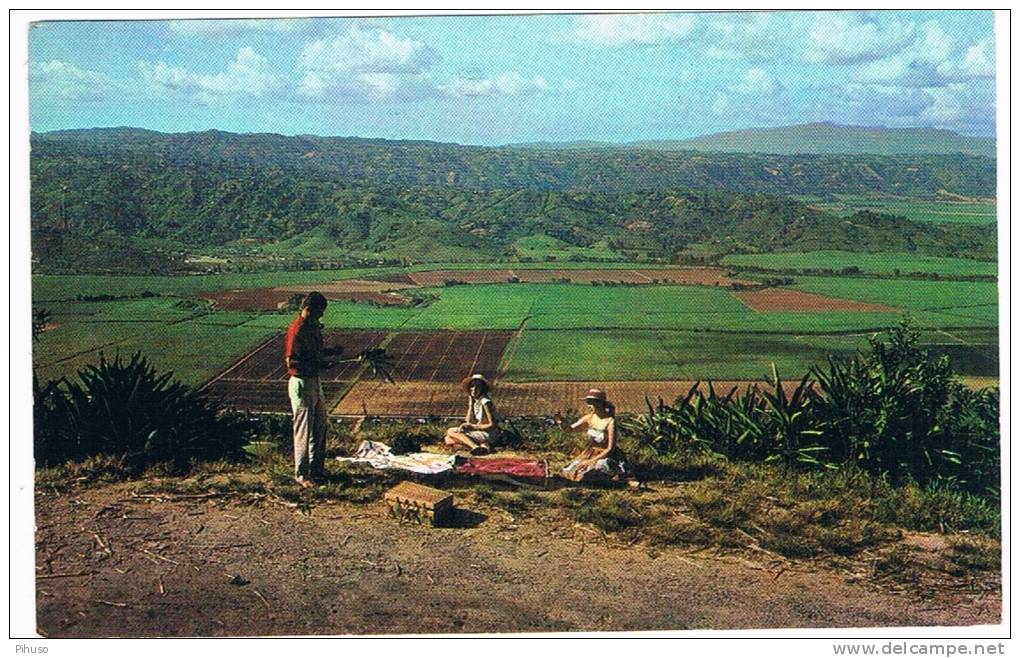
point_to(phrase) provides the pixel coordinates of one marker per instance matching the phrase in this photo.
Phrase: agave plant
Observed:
(898, 411)
(376, 359)
(125, 408)
(792, 428)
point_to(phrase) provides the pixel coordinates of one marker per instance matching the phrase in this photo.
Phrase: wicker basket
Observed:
(416, 503)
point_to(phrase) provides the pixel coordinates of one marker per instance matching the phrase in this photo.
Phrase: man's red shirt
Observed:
(304, 346)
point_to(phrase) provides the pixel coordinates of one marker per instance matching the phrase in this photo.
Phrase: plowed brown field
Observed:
(346, 286)
(258, 382)
(704, 276)
(782, 300)
(417, 398)
(251, 299)
(427, 365)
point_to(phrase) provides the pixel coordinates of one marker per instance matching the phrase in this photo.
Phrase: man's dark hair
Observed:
(314, 300)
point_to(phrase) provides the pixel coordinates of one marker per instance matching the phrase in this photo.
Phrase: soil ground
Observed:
(269, 299)
(112, 562)
(421, 398)
(703, 276)
(792, 301)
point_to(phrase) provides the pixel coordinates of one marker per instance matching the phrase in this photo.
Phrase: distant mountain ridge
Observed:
(357, 161)
(823, 138)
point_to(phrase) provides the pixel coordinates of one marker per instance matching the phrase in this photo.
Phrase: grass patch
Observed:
(609, 512)
(973, 553)
(516, 503)
(871, 263)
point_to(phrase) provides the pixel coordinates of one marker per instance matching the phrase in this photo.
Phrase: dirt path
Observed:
(113, 564)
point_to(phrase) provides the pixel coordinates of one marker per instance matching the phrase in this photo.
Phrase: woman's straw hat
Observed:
(476, 378)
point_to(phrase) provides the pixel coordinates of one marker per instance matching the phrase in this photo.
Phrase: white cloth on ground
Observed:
(378, 455)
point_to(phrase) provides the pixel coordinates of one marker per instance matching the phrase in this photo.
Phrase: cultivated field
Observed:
(258, 381)
(918, 210)
(871, 263)
(541, 339)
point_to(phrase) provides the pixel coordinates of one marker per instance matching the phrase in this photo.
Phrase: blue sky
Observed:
(504, 79)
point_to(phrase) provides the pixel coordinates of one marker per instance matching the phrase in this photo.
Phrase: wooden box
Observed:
(417, 503)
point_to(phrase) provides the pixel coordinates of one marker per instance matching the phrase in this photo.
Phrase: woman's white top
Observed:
(595, 433)
(478, 410)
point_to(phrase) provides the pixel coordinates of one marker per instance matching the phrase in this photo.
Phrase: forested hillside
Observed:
(203, 190)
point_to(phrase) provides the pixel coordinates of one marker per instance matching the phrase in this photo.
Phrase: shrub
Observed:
(899, 411)
(125, 409)
(896, 411)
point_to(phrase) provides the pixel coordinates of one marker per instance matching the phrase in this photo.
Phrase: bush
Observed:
(897, 412)
(125, 409)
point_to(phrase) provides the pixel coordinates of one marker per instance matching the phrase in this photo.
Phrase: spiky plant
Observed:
(125, 408)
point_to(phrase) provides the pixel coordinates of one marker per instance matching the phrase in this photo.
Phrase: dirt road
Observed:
(110, 563)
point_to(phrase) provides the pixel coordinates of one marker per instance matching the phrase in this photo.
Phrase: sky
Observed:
(506, 79)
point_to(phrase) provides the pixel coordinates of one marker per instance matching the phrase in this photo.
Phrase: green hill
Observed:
(349, 198)
(831, 139)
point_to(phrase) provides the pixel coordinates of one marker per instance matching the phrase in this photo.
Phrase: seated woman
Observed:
(480, 427)
(602, 455)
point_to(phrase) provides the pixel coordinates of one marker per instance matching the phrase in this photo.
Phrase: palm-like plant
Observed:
(125, 408)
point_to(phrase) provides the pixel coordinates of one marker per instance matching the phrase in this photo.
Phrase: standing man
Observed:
(305, 358)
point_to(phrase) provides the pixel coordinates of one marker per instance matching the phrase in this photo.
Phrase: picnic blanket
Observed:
(378, 455)
(520, 467)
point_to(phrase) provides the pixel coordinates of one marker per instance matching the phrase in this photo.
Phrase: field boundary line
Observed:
(643, 275)
(84, 352)
(478, 352)
(244, 358)
(669, 352)
(510, 351)
(439, 363)
(940, 309)
(956, 338)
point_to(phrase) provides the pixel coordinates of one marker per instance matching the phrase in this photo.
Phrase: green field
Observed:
(641, 354)
(904, 293)
(570, 331)
(875, 263)
(545, 247)
(964, 212)
(64, 287)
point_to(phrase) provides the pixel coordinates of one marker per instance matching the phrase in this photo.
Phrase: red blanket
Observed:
(512, 466)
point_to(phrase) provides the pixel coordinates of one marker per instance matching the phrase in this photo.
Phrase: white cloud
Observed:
(59, 80)
(756, 97)
(932, 44)
(756, 81)
(250, 74)
(366, 88)
(932, 60)
(753, 36)
(365, 65)
(849, 38)
(899, 70)
(876, 104)
(615, 30)
(226, 26)
(507, 83)
(367, 51)
(963, 106)
(977, 62)
(721, 103)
